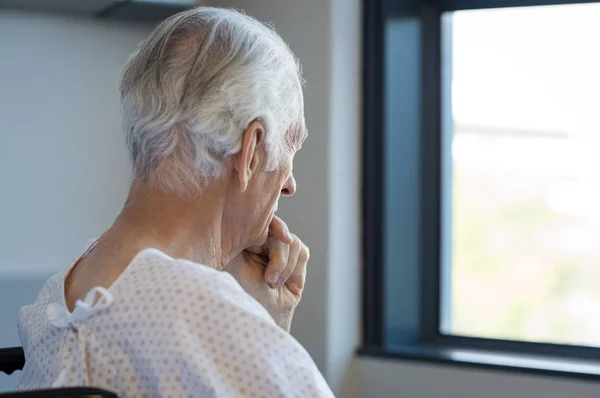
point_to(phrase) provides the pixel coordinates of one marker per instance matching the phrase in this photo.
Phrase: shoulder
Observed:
(181, 285)
(182, 275)
(51, 292)
(221, 335)
(211, 333)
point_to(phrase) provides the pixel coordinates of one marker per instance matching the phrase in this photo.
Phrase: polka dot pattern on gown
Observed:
(175, 329)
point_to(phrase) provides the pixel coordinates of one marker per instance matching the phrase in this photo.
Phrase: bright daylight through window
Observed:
(521, 186)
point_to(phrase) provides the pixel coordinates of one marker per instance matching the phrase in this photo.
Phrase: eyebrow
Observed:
(297, 136)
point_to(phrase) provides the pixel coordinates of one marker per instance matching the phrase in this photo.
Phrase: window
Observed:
(482, 179)
(523, 187)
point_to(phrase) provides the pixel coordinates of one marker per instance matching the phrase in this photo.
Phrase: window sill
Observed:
(509, 362)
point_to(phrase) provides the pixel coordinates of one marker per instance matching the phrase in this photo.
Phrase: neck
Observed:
(190, 228)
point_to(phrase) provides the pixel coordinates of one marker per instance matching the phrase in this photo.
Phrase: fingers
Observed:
(279, 229)
(278, 260)
(293, 272)
(294, 252)
(295, 283)
(288, 257)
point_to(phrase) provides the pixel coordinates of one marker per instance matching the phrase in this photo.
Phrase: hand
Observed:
(274, 274)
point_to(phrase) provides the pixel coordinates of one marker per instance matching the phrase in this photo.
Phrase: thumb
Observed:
(279, 229)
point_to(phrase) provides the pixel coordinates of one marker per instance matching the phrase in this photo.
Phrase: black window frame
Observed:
(402, 94)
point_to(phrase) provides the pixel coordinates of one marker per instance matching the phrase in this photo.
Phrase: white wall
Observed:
(63, 167)
(345, 167)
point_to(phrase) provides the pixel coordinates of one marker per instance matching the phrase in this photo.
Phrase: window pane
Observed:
(523, 244)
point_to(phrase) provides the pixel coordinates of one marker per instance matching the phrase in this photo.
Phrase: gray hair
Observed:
(195, 84)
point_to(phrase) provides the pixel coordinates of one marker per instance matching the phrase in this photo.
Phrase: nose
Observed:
(290, 186)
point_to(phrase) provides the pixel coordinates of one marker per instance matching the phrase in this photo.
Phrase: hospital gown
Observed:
(164, 328)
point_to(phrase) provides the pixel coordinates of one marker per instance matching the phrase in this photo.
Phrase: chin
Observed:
(263, 237)
(260, 240)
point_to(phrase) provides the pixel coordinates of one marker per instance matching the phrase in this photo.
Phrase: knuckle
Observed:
(304, 255)
(296, 246)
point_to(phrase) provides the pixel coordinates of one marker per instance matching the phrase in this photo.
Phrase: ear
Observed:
(247, 160)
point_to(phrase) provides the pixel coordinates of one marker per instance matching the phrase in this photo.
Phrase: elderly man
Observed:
(213, 115)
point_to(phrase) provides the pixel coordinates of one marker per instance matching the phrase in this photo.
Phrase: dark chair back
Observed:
(72, 392)
(12, 359)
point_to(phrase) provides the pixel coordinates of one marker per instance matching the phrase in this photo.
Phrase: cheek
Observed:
(270, 193)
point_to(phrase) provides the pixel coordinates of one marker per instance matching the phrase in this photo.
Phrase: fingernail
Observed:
(272, 278)
(288, 235)
(279, 282)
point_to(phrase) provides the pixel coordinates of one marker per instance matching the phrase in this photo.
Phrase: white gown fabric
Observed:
(164, 328)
